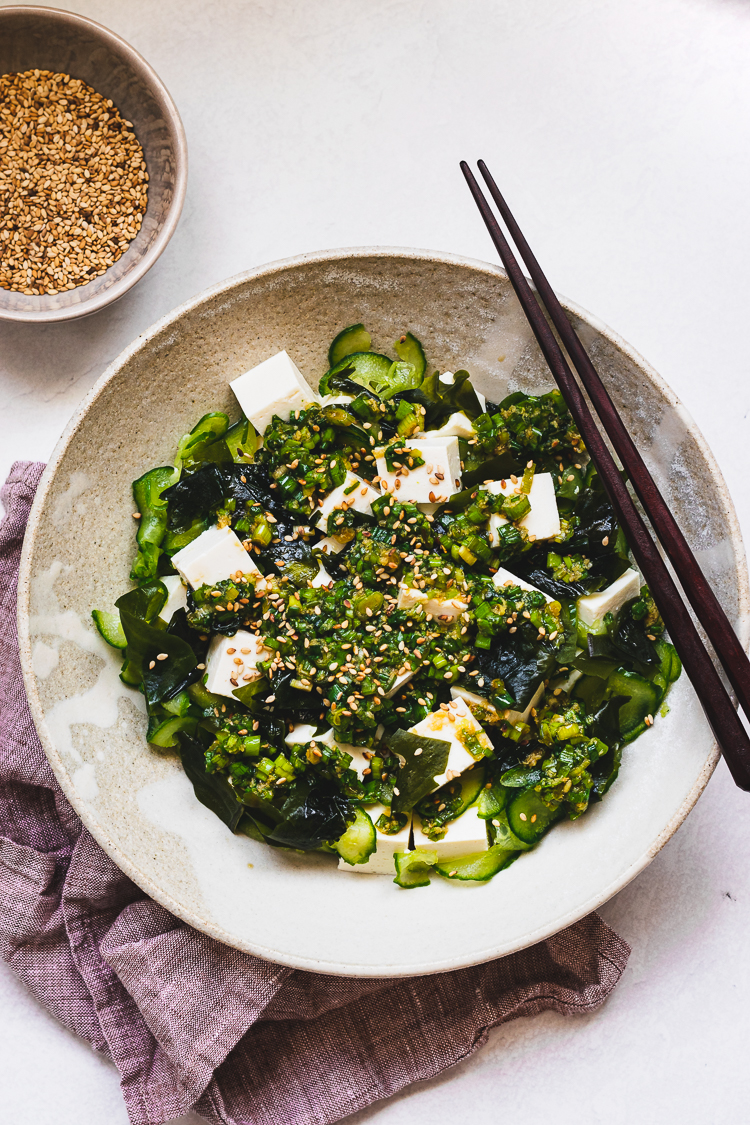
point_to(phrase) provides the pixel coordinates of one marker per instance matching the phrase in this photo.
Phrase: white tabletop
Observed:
(618, 130)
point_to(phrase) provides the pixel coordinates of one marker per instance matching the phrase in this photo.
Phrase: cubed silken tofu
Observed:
(457, 726)
(329, 546)
(354, 493)
(176, 597)
(408, 598)
(543, 521)
(503, 577)
(275, 386)
(223, 672)
(465, 835)
(215, 555)
(381, 861)
(359, 762)
(401, 679)
(431, 483)
(322, 578)
(484, 712)
(300, 734)
(593, 607)
(458, 425)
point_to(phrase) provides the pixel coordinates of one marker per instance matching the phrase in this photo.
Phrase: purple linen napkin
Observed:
(193, 1024)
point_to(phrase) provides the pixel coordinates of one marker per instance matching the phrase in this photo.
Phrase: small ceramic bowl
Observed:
(63, 42)
(136, 800)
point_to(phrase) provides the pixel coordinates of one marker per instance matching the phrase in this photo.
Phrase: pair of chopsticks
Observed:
(721, 714)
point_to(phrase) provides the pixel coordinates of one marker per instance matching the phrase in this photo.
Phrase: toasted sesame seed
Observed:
(77, 189)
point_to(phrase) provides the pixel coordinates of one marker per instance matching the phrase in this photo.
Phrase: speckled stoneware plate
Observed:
(137, 802)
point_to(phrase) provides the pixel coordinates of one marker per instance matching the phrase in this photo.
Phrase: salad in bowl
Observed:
(388, 620)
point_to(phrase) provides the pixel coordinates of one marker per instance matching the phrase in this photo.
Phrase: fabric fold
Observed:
(194, 1024)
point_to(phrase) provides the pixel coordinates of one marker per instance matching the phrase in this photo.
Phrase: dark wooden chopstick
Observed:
(723, 718)
(696, 587)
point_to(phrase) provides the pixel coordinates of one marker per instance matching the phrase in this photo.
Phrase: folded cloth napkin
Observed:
(193, 1024)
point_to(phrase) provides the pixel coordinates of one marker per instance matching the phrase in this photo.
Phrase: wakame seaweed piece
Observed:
(299, 705)
(494, 468)
(440, 400)
(350, 340)
(250, 484)
(146, 642)
(180, 628)
(424, 760)
(151, 504)
(212, 789)
(314, 813)
(520, 663)
(527, 566)
(195, 497)
(285, 555)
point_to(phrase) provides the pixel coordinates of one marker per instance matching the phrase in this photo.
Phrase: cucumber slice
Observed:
(110, 628)
(353, 339)
(477, 867)
(241, 440)
(413, 869)
(130, 674)
(358, 842)
(528, 816)
(645, 698)
(503, 836)
(164, 733)
(409, 349)
(375, 372)
(200, 695)
(492, 801)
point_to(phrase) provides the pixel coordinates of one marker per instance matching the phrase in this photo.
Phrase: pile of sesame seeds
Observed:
(73, 183)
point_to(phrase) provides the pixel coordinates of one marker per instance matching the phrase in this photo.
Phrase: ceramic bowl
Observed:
(299, 909)
(63, 42)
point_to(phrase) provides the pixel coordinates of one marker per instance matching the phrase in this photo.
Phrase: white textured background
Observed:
(618, 130)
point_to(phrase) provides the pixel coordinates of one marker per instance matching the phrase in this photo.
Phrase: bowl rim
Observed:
(177, 131)
(99, 831)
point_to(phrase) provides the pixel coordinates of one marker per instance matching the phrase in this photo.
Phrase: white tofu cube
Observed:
(444, 608)
(329, 546)
(543, 521)
(215, 555)
(359, 762)
(322, 578)
(275, 386)
(458, 726)
(503, 577)
(464, 836)
(176, 597)
(484, 712)
(232, 662)
(432, 483)
(401, 679)
(300, 734)
(592, 607)
(336, 400)
(458, 425)
(381, 861)
(481, 708)
(354, 493)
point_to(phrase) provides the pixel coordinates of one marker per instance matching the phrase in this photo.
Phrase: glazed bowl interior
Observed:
(63, 42)
(136, 800)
